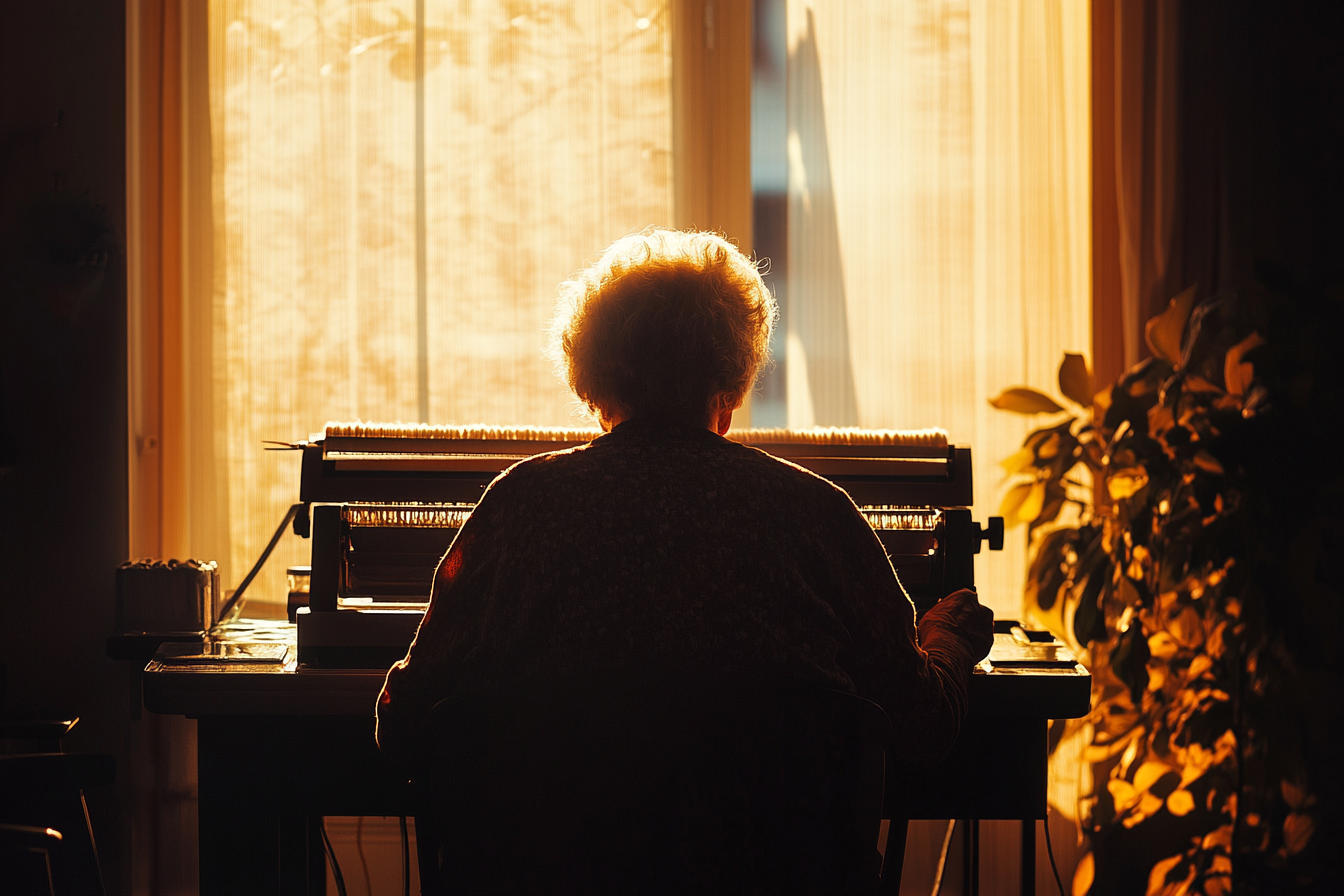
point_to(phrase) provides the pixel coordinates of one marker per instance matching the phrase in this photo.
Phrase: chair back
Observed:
(654, 785)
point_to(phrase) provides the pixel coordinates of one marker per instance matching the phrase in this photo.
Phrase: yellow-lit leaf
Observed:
(1208, 463)
(1292, 794)
(1013, 500)
(1180, 802)
(1236, 373)
(1199, 384)
(1084, 874)
(1164, 332)
(1221, 837)
(1124, 483)
(1157, 878)
(1101, 403)
(1197, 764)
(1214, 644)
(1162, 646)
(1149, 773)
(1160, 419)
(1023, 503)
(1198, 666)
(1131, 752)
(1148, 806)
(1018, 461)
(1031, 507)
(1022, 400)
(1297, 831)
(1049, 448)
(1187, 628)
(1218, 878)
(1075, 380)
(1123, 793)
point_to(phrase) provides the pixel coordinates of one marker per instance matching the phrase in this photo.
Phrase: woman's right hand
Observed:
(962, 613)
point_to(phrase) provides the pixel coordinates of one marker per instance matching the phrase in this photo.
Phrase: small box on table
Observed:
(167, 596)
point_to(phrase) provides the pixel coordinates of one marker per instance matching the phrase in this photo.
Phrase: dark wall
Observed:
(63, 505)
(1264, 111)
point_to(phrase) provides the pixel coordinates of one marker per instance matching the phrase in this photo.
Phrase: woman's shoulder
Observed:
(702, 456)
(799, 482)
(531, 473)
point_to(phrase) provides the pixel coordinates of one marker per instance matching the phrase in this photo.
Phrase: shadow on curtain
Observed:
(820, 371)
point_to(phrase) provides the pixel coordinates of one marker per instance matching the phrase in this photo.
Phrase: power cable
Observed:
(363, 859)
(406, 860)
(1050, 851)
(331, 857)
(942, 858)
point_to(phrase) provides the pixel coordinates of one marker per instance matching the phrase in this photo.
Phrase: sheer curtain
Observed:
(398, 187)
(938, 221)
(390, 225)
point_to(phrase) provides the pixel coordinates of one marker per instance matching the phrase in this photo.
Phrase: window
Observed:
(392, 190)
(393, 229)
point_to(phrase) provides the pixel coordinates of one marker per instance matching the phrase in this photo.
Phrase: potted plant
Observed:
(1181, 522)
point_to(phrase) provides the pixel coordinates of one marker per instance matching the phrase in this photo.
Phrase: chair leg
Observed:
(1027, 887)
(970, 866)
(893, 858)
(93, 844)
(316, 857)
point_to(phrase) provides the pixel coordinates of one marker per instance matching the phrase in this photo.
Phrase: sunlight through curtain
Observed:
(342, 291)
(938, 221)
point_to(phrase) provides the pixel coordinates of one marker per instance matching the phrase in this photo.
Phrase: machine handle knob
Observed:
(303, 524)
(993, 533)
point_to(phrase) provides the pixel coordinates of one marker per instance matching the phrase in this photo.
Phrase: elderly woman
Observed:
(662, 544)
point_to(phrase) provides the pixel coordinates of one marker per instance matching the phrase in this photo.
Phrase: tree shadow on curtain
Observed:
(818, 319)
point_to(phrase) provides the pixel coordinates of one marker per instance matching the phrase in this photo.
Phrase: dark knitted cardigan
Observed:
(658, 545)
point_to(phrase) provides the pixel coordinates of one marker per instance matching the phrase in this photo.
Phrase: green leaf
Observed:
(1021, 400)
(1075, 380)
(1164, 332)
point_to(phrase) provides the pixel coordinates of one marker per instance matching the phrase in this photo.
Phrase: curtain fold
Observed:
(939, 221)
(1145, 82)
(1156, 214)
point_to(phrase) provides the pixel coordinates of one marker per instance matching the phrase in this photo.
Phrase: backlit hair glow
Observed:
(666, 323)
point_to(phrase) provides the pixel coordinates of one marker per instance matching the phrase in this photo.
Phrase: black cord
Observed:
(1050, 851)
(406, 860)
(363, 859)
(261, 561)
(331, 857)
(942, 858)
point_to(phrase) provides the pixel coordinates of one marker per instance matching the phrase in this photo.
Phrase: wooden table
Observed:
(278, 746)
